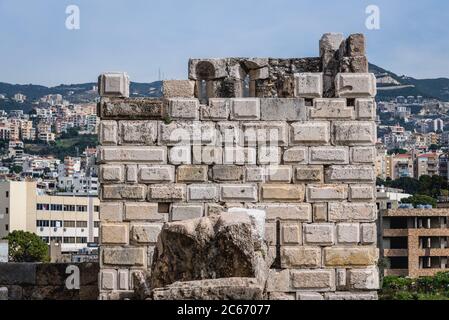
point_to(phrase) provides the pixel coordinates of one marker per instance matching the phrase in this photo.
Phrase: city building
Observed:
(399, 166)
(427, 165)
(415, 242)
(72, 221)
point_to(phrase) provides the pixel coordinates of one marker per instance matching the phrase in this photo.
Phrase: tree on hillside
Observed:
(26, 247)
(420, 199)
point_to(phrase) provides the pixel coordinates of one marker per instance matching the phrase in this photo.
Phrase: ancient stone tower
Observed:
(293, 137)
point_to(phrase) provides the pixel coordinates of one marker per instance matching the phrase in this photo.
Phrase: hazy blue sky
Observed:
(141, 36)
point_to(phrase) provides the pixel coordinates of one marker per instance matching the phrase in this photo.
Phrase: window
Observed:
(56, 223)
(6, 227)
(6, 210)
(69, 224)
(81, 208)
(69, 207)
(97, 208)
(45, 239)
(56, 239)
(56, 207)
(81, 224)
(96, 224)
(96, 239)
(69, 239)
(7, 194)
(42, 223)
(81, 239)
(43, 206)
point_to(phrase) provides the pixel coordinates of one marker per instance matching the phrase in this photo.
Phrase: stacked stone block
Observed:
(307, 160)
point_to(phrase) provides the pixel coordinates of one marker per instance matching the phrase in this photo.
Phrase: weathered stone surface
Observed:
(132, 109)
(355, 85)
(167, 192)
(325, 192)
(350, 256)
(309, 85)
(365, 109)
(111, 211)
(274, 133)
(123, 191)
(351, 174)
(363, 155)
(186, 133)
(315, 280)
(126, 256)
(111, 173)
(362, 192)
(345, 211)
(212, 289)
(296, 155)
(255, 174)
(134, 154)
(202, 192)
(330, 109)
(245, 109)
(348, 233)
(183, 211)
(145, 233)
(320, 212)
(364, 279)
(3, 293)
(301, 257)
(291, 233)
(180, 155)
(178, 88)
(286, 109)
(220, 246)
(293, 212)
(138, 132)
(239, 155)
(156, 174)
(310, 133)
(142, 211)
(207, 155)
(282, 192)
(309, 174)
(329, 155)
(359, 296)
(352, 133)
(238, 192)
(183, 108)
(309, 296)
(368, 233)
(319, 234)
(18, 273)
(194, 173)
(278, 281)
(227, 173)
(108, 132)
(229, 133)
(268, 155)
(217, 109)
(114, 233)
(278, 174)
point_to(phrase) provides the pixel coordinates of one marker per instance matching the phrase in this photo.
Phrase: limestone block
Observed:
(362, 192)
(124, 256)
(355, 45)
(309, 174)
(330, 42)
(202, 192)
(355, 85)
(352, 133)
(156, 174)
(278, 174)
(180, 155)
(207, 69)
(145, 233)
(207, 155)
(111, 211)
(111, 173)
(131, 108)
(131, 173)
(123, 192)
(268, 155)
(310, 133)
(345, 211)
(108, 133)
(329, 155)
(300, 257)
(186, 133)
(330, 109)
(365, 109)
(326, 192)
(368, 233)
(296, 155)
(273, 133)
(358, 296)
(245, 109)
(255, 174)
(239, 155)
(350, 174)
(309, 296)
(138, 132)
(319, 212)
(363, 155)
(350, 256)
(113, 84)
(226, 173)
(183, 211)
(270, 233)
(283, 109)
(291, 233)
(108, 279)
(191, 173)
(278, 281)
(229, 133)
(364, 279)
(348, 233)
(319, 234)
(114, 233)
(142, 211)
(309, 85)
(341, 279)
(167, 192)
(217, 109)
(178, 88)
(282, 193)
(286, 212)
(238, 192)
(183, 108)
(123, 279)
(316, 280)
(134, 154)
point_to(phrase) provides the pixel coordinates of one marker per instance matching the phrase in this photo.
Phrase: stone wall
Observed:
(47, 281)
(294, 137)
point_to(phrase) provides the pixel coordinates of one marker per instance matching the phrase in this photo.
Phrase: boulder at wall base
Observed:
(218, 246)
